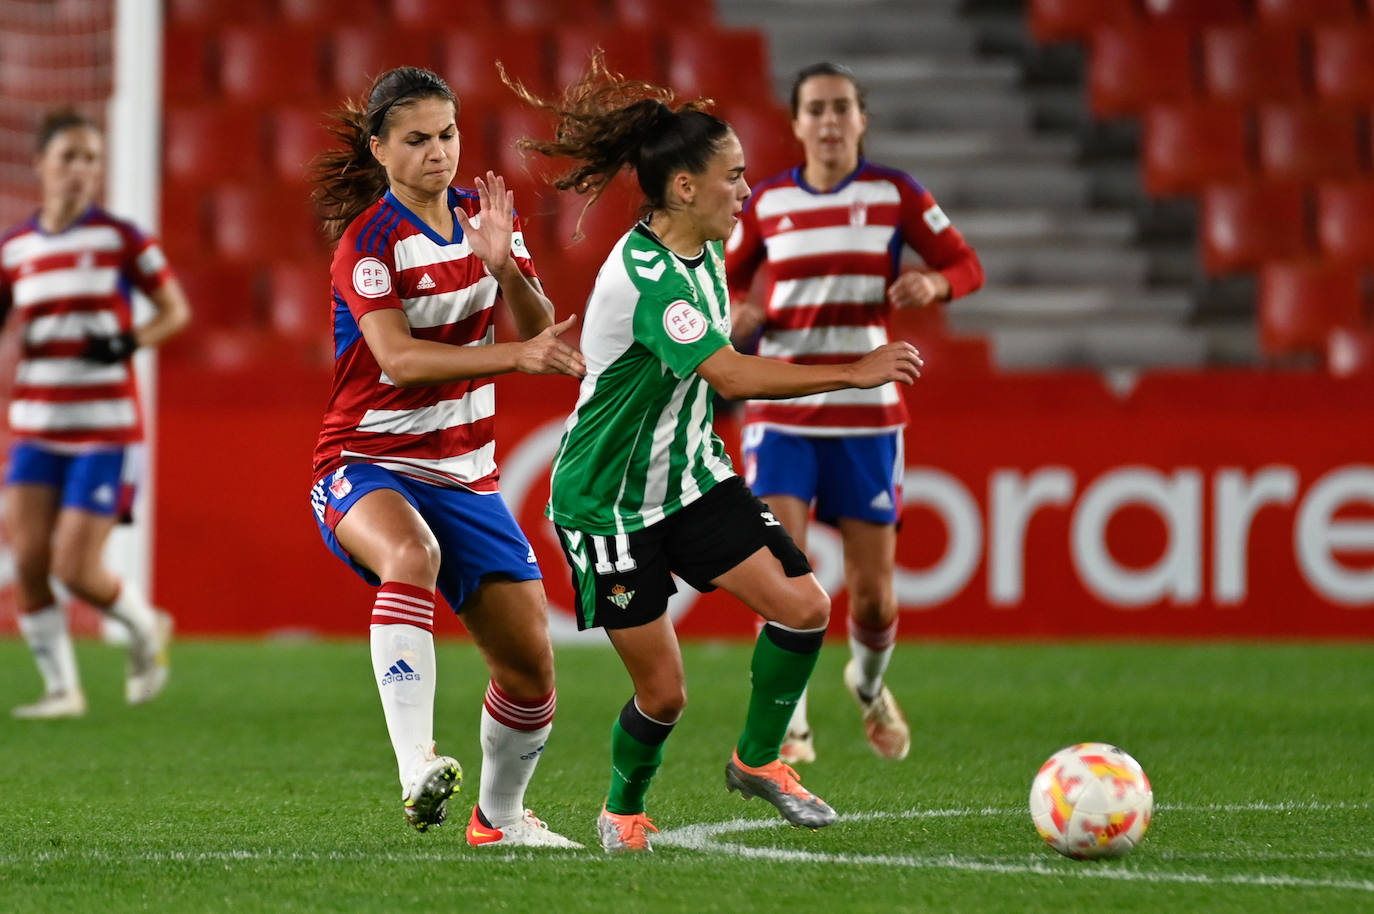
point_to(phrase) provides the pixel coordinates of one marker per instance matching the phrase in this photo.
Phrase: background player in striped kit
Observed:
(406, 481)
(831, 232)
(641, 485)
(68, 272)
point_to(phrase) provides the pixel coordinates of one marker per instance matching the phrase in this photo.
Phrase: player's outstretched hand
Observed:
(897, 361)
(489, 235)
(547, 354)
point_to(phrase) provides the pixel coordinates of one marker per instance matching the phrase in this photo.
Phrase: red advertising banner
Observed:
(1226, 504)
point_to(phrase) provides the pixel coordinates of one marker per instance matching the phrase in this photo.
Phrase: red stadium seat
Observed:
(216, 12)
(1246, 64)
(221, 295)
(359, 54)
(187, 64)
(257, 65)
(251, 223)
(1184, 147)
(478, 14)
(1301, 302)
(1345, 221)
(182, 228)
(576, 262)
(1243, 225)
(765, 132)
(1075, 20)
(205, 144)
(1301, 143)
(521, 168)
(632, 52)
(1350, 352)
(1134, 67)
(1196, 12)
(544, 13)
(326, 13)
(648, 14)
(1343, 63)
(1303, 12)
(296, 136)
(467, 59)
(727, 65)
(298, 300)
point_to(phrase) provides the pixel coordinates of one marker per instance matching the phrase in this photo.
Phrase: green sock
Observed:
(782, 664)
(636, 753)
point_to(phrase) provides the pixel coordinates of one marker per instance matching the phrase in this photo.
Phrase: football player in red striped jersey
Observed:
(68, 273)
(831, 232)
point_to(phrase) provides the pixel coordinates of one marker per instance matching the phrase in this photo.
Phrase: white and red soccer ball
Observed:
(1091, 800)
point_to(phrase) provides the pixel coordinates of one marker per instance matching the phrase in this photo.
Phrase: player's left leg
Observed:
(508, 623)
(869, 562)
(99, 490)
(78, 562)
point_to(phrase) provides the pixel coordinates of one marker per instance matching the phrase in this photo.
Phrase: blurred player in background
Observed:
(641, 485)
(69, 271)
(831, 233)
(406, 481)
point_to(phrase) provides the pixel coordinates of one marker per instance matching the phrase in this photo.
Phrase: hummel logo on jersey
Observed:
(425, 282)
(400, 671)
(881, 502)
(652, 274)
(769, 520)
(621, 597)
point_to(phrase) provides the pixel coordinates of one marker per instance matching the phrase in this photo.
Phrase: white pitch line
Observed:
(701, 838)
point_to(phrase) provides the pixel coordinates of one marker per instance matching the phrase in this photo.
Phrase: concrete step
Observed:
(1043, 263)
(984, 226)
(1056, 307)
(962, 144)
(1112, 345)
(1002, 185)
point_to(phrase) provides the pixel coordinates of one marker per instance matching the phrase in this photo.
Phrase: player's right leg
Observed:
(31, 502)
(368, 521)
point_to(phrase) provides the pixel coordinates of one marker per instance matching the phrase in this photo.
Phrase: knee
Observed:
(663, 703)
(411, 560)
(70, 568)
(813, 611)
(526, 677)
(32, 560)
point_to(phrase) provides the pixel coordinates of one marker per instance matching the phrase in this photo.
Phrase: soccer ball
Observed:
(1091, 800)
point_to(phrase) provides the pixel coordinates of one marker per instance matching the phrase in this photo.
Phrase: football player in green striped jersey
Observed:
(642, 487)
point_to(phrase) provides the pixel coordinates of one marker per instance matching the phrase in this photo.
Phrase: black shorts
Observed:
(625, 580)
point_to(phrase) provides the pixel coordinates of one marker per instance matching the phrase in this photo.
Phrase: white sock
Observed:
(133, 609)
(513, 734)
(403, 663)
(799, 725)
(51, 644)
(872, 649)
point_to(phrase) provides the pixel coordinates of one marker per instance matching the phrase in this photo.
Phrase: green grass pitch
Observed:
(263, 781)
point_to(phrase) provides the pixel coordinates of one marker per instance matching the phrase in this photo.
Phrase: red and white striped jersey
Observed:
(440, 433)
(65, 288)
(831, 257)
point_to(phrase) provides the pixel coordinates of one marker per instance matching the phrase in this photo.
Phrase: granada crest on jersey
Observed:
(340, 486)
(858, 213)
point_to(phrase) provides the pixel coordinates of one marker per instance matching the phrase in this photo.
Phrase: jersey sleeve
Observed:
(744, 251)
(520, 251)
(363, 279)
(928, 231)
(668, 323)
(145, 265)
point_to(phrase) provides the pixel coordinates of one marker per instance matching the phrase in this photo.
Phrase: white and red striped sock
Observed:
(402, 639)
(872, 649)
(513, 735)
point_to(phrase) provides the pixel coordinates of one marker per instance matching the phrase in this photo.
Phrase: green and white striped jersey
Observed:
(639, 445)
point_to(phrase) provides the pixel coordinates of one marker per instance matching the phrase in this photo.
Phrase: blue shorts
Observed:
(101, 482)
(477, 534)
(858, 477)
